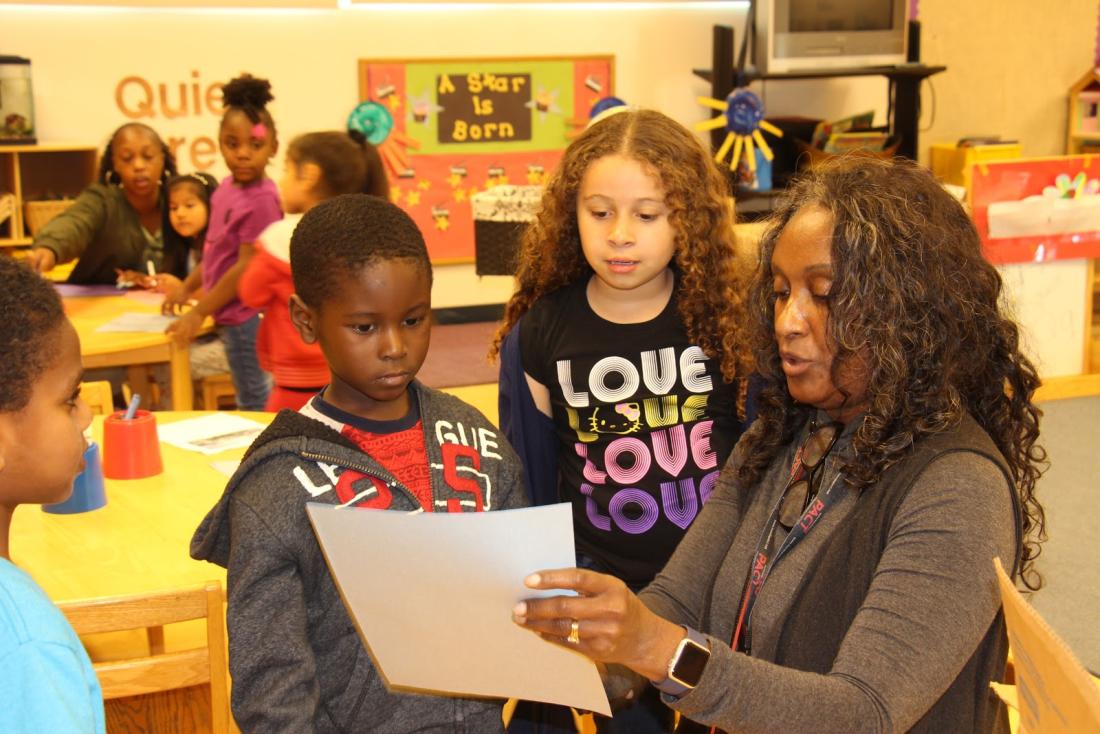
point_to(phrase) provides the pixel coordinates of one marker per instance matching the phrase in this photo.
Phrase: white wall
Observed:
(80, 56)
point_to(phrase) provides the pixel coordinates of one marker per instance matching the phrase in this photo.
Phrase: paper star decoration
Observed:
(412, 198)
(743, 116)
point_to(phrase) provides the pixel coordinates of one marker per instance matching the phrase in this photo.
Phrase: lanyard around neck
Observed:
(763, 562)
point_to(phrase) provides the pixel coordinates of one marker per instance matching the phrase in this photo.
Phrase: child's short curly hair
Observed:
(342, 234)
(31, 310)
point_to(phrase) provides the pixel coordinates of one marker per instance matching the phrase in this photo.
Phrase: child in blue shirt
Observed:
(46, 679)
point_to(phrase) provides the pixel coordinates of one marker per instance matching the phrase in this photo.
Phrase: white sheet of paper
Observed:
(435, 609)
(211, 434)
(140, 323)
(227, 467)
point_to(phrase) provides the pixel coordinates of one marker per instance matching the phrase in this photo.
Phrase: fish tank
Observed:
(16, 101)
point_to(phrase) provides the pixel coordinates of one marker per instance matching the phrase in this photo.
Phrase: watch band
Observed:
(685, 669)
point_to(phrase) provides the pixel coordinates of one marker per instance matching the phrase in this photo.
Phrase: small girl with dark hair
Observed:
(318, 166)
(188, 212)
(243, 206)
(118, 223)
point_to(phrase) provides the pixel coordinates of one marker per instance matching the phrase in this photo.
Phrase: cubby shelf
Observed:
(31, 172)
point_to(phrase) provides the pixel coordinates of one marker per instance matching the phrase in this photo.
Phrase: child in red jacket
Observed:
(318, 166)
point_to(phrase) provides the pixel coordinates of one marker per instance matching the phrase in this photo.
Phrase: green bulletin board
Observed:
(458, 126)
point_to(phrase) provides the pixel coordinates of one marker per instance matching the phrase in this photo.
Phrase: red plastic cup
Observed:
(131, 449)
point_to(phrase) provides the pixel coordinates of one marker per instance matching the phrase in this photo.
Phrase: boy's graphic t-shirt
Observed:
(397, 445)
(644, 423)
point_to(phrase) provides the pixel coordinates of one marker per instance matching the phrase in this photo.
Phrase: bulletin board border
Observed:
(364, 64)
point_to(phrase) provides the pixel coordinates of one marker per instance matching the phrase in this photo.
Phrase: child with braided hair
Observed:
(243, 206)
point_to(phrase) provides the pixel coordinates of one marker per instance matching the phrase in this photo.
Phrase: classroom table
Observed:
(138, 542)
(134, 350)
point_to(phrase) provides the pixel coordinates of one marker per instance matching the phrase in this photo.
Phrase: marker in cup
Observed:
(132, 407)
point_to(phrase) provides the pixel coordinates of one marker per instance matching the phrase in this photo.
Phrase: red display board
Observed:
(1015, 180)
(460, 126)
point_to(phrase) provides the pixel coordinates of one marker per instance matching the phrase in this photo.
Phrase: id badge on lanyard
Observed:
(763, 563)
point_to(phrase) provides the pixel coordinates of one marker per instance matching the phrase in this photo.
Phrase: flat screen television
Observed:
(802, 35)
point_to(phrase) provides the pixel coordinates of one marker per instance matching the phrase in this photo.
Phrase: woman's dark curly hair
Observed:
(915, 301)
(249, 95)
(31, 312)
(700, 211)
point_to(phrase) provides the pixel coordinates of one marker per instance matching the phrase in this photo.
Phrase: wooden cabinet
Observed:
(35, 172)
(1083, 128)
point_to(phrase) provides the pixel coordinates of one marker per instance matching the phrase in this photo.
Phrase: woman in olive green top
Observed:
(119, 222)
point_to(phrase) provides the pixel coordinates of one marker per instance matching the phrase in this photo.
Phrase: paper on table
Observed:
(436, 613)
(141, 323)
(211, 434)
(228, 467)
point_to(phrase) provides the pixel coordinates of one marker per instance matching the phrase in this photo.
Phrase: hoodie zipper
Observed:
(394, 485)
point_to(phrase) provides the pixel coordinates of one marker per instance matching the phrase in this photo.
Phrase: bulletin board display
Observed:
(1034, 210)
(449, 128)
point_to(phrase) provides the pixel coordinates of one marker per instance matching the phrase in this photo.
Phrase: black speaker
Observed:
(912, 53)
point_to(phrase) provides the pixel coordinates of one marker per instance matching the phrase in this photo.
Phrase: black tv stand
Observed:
(904, 79)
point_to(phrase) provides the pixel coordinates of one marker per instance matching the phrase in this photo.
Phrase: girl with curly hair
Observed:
(625, 377)
(840, 578)
(243, 205)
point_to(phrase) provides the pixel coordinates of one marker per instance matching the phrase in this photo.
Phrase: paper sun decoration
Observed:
(743, 116)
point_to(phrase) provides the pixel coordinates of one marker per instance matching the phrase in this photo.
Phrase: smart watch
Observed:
(686, 667)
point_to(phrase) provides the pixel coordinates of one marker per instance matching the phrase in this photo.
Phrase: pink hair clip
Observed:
(259, 130)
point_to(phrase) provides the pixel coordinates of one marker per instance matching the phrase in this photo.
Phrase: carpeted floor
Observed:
(1070, 560)
(457, 355)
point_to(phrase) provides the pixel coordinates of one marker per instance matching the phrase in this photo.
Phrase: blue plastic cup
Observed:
(88, 490)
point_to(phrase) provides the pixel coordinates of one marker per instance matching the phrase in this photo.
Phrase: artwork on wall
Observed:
(450, 128)
(1037, 209)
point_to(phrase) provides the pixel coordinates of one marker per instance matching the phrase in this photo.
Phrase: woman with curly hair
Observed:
(628, 346)
(841, 576)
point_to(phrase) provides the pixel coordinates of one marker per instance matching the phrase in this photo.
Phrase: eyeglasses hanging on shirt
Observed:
(797, 512)
(810, 458)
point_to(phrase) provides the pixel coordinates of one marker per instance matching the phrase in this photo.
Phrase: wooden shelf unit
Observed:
(905, 80)
(31, 172)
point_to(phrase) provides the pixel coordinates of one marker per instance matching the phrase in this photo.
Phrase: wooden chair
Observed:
(216, 389)
(98, 397)
(161, 671)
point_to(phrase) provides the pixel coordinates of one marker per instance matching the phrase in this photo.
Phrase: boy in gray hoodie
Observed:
(374, 437)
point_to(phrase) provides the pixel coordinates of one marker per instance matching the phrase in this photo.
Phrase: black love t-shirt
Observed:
(644, 422)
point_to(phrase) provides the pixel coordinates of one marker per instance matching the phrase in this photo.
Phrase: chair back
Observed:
(160, 670)
(98, 396)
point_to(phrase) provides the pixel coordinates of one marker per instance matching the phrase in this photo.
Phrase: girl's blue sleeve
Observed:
(530, 432)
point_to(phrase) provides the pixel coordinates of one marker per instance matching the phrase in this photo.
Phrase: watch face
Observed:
(689, 666)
